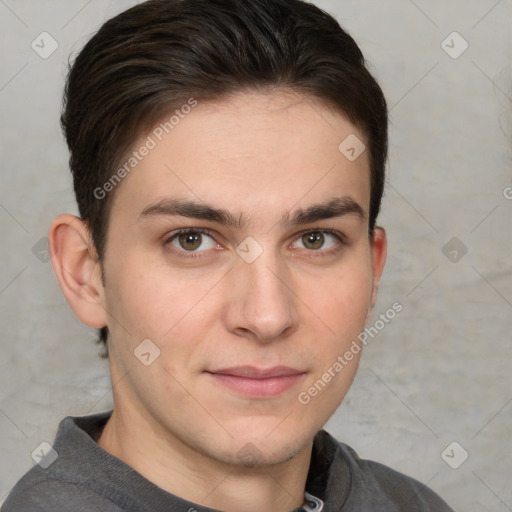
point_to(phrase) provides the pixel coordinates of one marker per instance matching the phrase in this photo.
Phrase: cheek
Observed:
(134, 302)
(342, 309)
(148, 300)
(342, 299)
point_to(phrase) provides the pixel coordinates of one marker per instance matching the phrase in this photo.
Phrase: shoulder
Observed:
(24, 495)
(374, 486)
(66, 482)
(389, 489)
(37, 491)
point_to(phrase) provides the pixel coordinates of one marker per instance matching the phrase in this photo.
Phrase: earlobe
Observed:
(379, 253)
(77, 269)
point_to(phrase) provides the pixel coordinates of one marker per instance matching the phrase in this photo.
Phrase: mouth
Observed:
(257, 382)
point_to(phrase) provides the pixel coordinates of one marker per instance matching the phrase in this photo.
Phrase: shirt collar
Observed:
(312, 504)
(328, 480)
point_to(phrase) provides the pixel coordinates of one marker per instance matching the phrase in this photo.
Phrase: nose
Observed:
(262, 305)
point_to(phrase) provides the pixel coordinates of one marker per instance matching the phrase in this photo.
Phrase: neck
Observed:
(179, 469)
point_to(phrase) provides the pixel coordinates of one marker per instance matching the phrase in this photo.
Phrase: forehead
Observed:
(249, 153)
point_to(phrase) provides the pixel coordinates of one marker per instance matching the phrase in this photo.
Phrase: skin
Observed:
(261, 157)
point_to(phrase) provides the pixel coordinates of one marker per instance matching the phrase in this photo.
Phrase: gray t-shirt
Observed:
(85, 478)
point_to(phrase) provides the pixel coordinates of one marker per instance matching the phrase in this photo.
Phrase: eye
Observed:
(192, 240)
(319, 240)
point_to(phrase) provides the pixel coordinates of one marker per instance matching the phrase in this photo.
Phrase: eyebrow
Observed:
(336, 207)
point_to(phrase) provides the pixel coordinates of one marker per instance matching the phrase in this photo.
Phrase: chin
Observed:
(253, 450)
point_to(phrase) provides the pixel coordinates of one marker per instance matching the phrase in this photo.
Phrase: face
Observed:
(239, 247)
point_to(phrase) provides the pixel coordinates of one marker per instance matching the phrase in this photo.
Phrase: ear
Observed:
(77, 268)
(379, 252)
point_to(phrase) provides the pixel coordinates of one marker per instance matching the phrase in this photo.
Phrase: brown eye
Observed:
(313, 240)
(190, 241)
(321, 241)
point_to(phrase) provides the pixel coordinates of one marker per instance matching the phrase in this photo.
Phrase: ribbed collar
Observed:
(328, 478)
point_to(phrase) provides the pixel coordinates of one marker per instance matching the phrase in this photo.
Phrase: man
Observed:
(228, 161)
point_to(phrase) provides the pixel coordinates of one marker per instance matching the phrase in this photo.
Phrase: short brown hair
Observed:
(152, 58)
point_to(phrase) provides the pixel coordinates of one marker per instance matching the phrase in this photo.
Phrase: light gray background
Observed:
(439, 372)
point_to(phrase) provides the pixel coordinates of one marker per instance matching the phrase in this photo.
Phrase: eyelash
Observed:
(341, 238)
(184, 231)
(342, 242)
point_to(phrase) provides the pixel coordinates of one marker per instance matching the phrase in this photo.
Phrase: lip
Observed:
(258, 382)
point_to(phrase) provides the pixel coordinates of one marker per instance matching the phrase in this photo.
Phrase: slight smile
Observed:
(258, 383)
